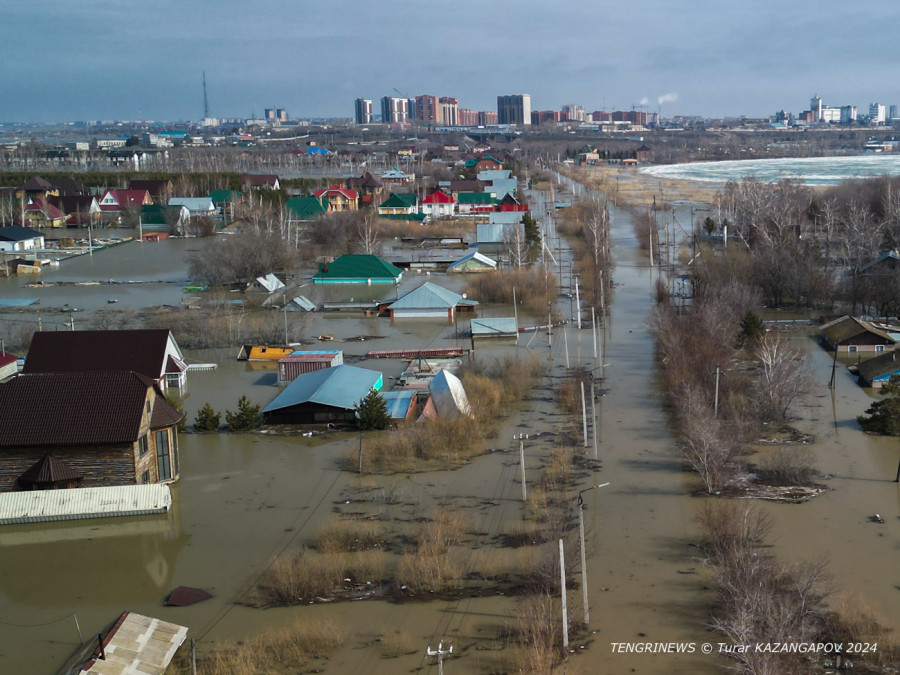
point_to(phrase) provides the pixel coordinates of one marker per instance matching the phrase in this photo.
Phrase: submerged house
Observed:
(849, 334)
(474, 262)
(429, 301)
(358, 269)
(100, 428)
(323, 396)
(268, 283)
(876, 372)
(448, 397)
(150, 352)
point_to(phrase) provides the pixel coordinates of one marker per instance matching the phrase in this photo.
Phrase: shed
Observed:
(876, 372)
(265, 284)
(358, 269)
(849, 334)
(448, 396)
(401, 404)
(300, 362)
(500, 327)
(429, 301)
(474, 262)
(9, 365)
(323, 396)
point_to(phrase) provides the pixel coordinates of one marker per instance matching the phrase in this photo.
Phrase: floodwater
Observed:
(810, 170)
(245, 499)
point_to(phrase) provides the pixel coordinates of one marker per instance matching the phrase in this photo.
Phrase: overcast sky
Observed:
(126, 59)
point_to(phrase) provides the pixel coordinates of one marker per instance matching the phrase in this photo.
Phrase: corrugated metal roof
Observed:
(268, 282)
(428, 296)
(448, 395)
(312, 355)
(304, 303)
(479, 257)
(360, 267)
(848, 327)
(492, 327)
(398, 402)
(36, 506)
(339, 386)
(138, 644)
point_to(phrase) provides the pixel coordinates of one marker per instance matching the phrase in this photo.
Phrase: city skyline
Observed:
(110, 60)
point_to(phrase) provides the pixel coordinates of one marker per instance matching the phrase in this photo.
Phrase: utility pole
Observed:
(522, 468)
(584, 414)
(440, 652)
(594, 417)
(584, 578)
(562, 587)
(716, 405)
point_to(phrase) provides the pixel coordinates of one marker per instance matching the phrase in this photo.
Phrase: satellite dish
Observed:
(465, 296)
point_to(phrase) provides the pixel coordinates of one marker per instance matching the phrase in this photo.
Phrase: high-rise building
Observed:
(877, 113)
(892, 113)
(468, 117)
(276, 115)
(448, 112)
(394, 110)
(427, 109)
(815, 106)
(574, 112)
(487, 118)
(848, 114)
(363, 111)
(514, 109)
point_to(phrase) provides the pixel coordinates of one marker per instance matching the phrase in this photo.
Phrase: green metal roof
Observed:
(305, 208)
(357, 267)
(224, 196)
(400, 200)
(475, 198)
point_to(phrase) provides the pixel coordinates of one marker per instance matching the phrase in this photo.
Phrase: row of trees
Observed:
(813, 249)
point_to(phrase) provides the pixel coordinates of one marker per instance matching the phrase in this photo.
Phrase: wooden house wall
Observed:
(100, 466)
(309, 413)
(865, 342)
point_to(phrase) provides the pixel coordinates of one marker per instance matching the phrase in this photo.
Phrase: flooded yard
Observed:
(244, 499)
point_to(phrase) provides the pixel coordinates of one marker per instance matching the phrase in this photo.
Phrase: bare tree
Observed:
(784, 376)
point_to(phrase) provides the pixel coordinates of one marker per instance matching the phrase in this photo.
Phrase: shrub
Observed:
(207, 419)
(883, 417)
(787, 466)
(246, 418)
(175, 403)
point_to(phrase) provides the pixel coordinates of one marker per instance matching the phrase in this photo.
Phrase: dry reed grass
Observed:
(308, 576)
(534, 286)
(432, 566)
(273, 653)
(340, 535)
(395, 644)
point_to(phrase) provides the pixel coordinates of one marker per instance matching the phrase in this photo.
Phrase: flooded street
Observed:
(244, 499)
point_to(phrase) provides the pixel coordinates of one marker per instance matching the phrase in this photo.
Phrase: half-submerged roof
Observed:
(17, 233)
(880, 366)
(429, 296)
(339, 387)
(361, 267)
(448, 396)
(847, 327)
(474, 258)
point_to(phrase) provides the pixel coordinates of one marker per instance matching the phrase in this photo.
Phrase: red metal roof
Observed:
(438, 197)
(347, 192)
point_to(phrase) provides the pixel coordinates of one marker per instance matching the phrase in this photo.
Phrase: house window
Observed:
(147, 405)
(162, 455)
(852, 348)
(145, 477)
(879, 348)
(142, 446)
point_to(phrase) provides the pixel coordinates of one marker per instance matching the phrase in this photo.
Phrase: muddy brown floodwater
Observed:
(245, 499)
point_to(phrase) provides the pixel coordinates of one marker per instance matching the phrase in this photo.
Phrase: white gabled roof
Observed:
(36, 506)
(269, 282)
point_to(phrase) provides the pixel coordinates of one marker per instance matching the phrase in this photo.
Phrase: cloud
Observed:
(667, 98)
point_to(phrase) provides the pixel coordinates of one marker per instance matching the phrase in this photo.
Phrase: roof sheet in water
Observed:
(185, 595)
(137, 644)
(18, 302)
(36, 506)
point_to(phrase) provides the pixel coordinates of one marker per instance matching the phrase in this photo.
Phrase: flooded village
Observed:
(537, 500)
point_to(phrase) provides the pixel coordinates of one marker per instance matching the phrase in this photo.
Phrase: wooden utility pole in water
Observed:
(716, 404)
(584, 414)
(562, 586)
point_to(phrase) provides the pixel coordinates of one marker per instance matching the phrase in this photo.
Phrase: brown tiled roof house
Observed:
(105, 428)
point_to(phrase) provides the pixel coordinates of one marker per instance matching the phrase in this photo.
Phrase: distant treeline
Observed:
(121, 179)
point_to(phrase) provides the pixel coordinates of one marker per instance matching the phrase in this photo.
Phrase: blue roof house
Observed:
(323, 396)
(429, 301)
